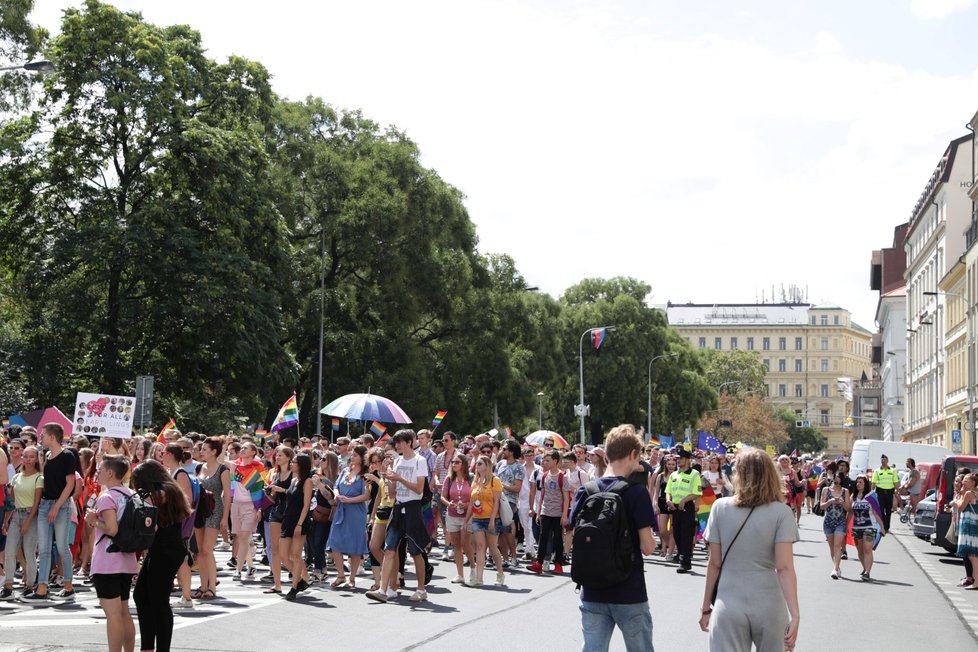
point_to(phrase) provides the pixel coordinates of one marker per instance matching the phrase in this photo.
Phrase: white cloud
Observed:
(590, 145)
(933, 9)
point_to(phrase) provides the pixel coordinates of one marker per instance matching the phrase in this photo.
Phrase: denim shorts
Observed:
(482, 525)
(830, 528)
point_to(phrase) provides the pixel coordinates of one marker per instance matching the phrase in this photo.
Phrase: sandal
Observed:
(197, 593)
(272, 590)
(208, 594)
(352, 584)
(338, 582)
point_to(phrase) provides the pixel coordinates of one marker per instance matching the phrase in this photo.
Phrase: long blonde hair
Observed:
(757, 479)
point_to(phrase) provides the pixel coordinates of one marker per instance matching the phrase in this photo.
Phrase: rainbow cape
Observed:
(252, 478)
(288, 416)
(703, 511)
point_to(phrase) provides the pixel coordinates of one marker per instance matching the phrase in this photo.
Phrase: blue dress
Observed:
(348, 535)
(968, 531)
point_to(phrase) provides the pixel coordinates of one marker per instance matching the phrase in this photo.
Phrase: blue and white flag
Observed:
(666, 441)
(709, 443)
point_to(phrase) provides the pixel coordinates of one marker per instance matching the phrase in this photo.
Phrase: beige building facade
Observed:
(805, 349)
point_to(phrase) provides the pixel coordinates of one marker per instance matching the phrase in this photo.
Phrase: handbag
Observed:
(818, 510)
(716, 584)
(505, 512)
(952, 531)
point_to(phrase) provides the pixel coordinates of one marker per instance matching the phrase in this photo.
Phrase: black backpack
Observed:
(603, 553)
(137, 526)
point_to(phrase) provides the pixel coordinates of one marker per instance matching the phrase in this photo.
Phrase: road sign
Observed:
(770, 450)
(955, 441)
(144, 402)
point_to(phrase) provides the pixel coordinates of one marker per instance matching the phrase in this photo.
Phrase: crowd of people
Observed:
(309, 510)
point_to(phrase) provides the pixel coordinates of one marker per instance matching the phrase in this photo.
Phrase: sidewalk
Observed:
(944, 570)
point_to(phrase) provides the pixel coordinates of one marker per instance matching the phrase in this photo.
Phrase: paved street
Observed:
(904, 606)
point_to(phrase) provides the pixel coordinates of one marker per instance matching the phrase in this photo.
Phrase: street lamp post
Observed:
(969, 420)
(648, 415)
(540, 396)
(581, 408)
(33, 66)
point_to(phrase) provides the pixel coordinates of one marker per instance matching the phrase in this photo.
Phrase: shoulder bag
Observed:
(716, 585)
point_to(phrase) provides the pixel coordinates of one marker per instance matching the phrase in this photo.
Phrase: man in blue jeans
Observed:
(53, 514)
(627, 604)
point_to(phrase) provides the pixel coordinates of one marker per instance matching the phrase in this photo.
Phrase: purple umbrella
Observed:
(366, 407)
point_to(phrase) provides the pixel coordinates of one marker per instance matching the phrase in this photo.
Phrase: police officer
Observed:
(886, 480)
(683, 488)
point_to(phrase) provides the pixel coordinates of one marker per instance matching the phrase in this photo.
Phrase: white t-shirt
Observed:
(410, 470)
(573, 480)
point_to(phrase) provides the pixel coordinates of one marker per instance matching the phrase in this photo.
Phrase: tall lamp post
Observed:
(582, 410)
(969, 345)
(540, 396)
(648, 415)
(33, 66)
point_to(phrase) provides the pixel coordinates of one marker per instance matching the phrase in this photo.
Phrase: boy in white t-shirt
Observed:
(409, 475)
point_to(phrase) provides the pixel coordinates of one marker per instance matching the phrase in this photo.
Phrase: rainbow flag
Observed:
(288, 416)
(597, 337)
(378, 428)
(438, 418)
(703, 511)
(169, 426)
(336, 424)
(264, 434)
(252, 478)
(6, 422)
(507, 433)
(655, 441)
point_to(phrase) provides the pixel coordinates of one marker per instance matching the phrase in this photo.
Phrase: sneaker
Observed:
(392, 594)
(682, 570)
(223, 547)
(844, 555)
(6, 594)
(558, 569)
(474, 582)
(535, 567)
(267, 578)
(458, 579)
(500, 579)
(379, 596)
(835, 574)
(35, 597)
(302, 586)
(232, 563)
(429, 571)
(56, 583)
(251, 572)
(291, 595)
(419, 596)
(546, 567)
(367, 565)
(236, 575)
(515, 564)
(506, 566)
(530, 555)
(183, 603)
(866, 578)
(65, 594)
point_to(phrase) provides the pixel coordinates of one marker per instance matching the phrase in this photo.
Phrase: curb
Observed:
(965, 610)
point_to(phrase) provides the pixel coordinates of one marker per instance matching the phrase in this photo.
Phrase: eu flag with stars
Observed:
(709, 443)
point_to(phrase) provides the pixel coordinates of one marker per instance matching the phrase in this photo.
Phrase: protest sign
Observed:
(103, 415)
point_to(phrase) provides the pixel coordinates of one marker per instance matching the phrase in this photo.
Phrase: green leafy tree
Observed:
(146, 209)
(734, 372)
(20, 42)
(804, 439)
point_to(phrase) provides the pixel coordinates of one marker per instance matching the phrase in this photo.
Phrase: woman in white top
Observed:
(722, 486)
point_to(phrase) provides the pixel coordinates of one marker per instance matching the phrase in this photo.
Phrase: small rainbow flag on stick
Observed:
(378, 428)
(438, 418)
(169, 426)
(336, 424)
(265, 436)
(597, 337)
(288, 416)
(507, 433)
(6, 422)
(655, 441)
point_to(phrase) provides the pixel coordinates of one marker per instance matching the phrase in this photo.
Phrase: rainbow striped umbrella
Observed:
(537, 438)
(366, 407)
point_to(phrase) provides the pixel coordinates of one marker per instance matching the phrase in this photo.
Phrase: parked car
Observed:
(945, 492)
(923, 517)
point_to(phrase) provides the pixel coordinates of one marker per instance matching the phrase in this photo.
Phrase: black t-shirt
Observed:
(57, 469)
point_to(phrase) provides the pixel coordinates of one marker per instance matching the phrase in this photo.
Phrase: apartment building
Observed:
(805, 349)
(935, 242)
(887, 271)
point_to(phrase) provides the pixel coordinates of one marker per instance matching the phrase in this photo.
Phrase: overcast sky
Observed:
(712, 149)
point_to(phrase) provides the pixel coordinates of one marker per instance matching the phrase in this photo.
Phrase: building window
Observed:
(813, 320)
(766, 344)
(782, 343)
(825, 344)
(824, 320)
(782, 365)
(823, 390)
(798, 392)
(797, 344)
(824, 365)
(733, 343)
(717, 343)
(823, 417)
(798, 365)
(835, 320)
(702, 342)
(750, 343)
(782, 390)
(767, 364)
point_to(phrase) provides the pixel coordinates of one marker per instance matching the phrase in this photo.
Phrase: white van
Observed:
(866, 455)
